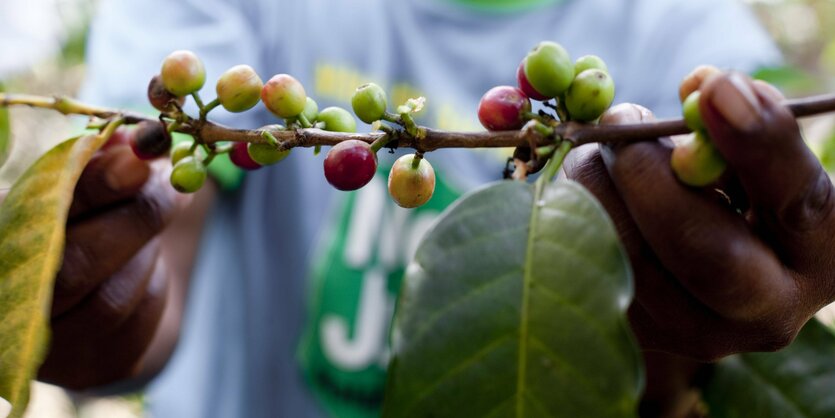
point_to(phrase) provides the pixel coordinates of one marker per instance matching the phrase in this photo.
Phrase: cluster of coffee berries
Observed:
(583, 90)
(351, 164)
(696, 161)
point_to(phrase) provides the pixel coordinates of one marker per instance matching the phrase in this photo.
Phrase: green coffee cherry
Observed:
(266, 154)
(239, 88)
(284, 96)
(549, 69)
(696, 162)
(589, 62)
(311, 110)
(183, 73)
(692, 112)
(180, 151)
(369, 102)
(590, 95)
(337, 119)
(188, 175)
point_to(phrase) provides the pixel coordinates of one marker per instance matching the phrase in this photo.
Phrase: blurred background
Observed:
(42, 52)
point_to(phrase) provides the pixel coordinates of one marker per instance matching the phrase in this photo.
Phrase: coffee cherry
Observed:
(311, 110)
(503, 108)
(188, 175)
(411, 187)
(266, 154)
(150, 140)
(590, 95)
(549, 69)
(369, 102)
(692, 113)
(180, 151)
(337, 119)
(697, 162)
(182, 73)
(240, 157)
(589, 62)
(525, 85)
(284, 96)
(350, 165)
(239, 88)
(161, 98)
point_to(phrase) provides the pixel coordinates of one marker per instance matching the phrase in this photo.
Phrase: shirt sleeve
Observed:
(130, 38)
(674, 37)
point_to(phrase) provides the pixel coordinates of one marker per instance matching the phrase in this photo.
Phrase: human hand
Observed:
(717, 274)
(110, 292)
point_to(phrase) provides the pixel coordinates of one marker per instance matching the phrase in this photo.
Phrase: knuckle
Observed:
(78, 262)
(812, 207)
(152, 211)
(775, 336)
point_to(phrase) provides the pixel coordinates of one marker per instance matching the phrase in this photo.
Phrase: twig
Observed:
(575, 133)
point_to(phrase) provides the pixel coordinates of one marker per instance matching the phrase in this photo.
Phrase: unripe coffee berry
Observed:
(589, 62)
(692, 113)
(161, 98)
(350, 165)
(408, 186)
(696, 162)
(369, 102)
(591, 93)
(337, 119)
(180, 151)
(284, 96)
(525, 85)
(183, 73)
(311, 110)
(503, 108)
(239, 88)
(150, 140)
(549, 69)
(239, 155)
(188, 175)
(266, 154)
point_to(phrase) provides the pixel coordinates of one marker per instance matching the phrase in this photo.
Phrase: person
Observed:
(291, 284)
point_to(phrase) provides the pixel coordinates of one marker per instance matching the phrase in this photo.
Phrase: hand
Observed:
(717, 274)
(111, 290)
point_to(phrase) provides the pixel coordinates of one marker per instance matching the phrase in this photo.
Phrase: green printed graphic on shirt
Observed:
(356, 279)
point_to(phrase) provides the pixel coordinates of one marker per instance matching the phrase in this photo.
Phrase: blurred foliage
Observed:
(5, 132)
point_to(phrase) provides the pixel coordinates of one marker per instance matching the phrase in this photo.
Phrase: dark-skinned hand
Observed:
(111, 290)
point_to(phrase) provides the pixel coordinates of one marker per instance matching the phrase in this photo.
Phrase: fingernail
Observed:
(125, 171)
(737, 102)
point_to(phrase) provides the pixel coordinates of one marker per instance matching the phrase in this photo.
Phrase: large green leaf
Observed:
(32, 224)
(798, 381)
(514, 306)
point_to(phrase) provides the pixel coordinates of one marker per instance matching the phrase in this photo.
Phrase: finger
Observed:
(707, 247)
(694, 80)
(81, 355)
(111, 176)
(97, 247)
(108, 306)
(786, 186)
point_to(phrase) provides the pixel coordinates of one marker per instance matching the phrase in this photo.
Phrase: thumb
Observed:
(788, 190)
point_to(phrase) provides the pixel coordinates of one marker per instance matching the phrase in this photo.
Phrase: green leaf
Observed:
(514, 306)
(32, 223)
(792, 80)
(795, 382)
(5, 132)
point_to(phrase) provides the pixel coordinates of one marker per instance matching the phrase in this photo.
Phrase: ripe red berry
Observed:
(161, 98)
(526, 86)
(350, 165)
(503, 108)
(149, 140)
(241, 158)
(284, 96)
